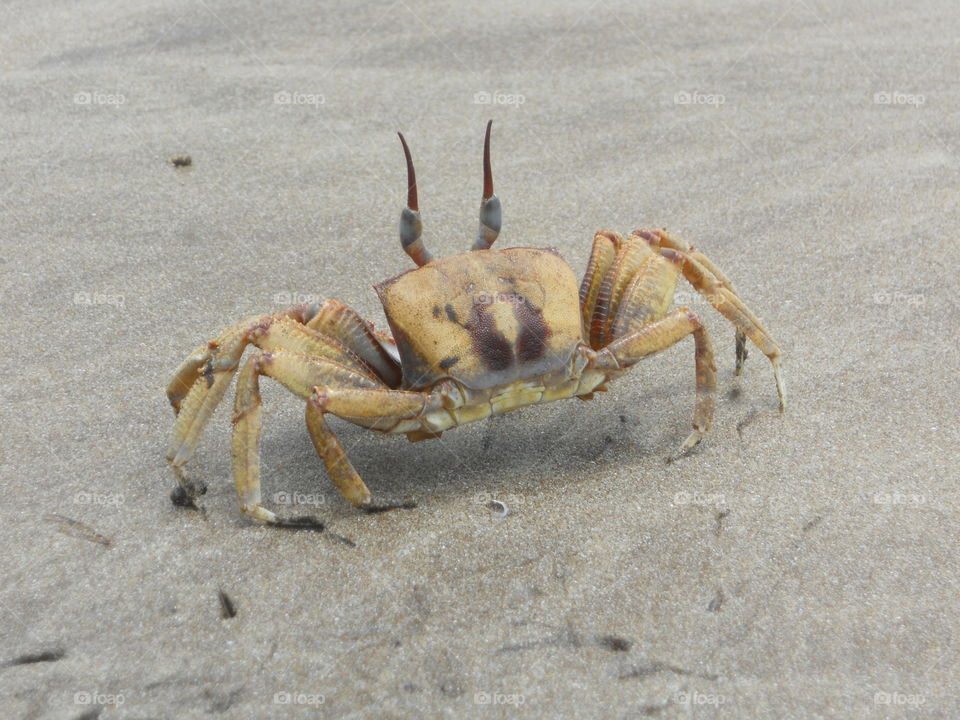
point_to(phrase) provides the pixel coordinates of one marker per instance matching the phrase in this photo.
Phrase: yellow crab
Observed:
(473, 335)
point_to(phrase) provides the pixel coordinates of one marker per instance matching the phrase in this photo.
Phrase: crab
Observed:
(472, 336)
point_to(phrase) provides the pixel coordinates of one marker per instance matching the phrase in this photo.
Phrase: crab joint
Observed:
(491, 213)
(411, 227)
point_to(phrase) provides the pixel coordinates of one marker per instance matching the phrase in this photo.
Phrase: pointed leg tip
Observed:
(778, 379)
(742, 353)
(693, 439)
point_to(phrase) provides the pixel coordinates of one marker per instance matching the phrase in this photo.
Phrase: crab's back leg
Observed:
(631, 254)
(220, 363)
(719, 292)
(663, 239)
(213, 370)
(210, 358)
(647, 296)
(186, 375)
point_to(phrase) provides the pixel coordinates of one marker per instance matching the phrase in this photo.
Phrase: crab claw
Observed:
(491, 213)
(411, 227)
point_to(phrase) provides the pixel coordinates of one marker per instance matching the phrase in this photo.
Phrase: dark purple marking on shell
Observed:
(489, 343)
(534, 332)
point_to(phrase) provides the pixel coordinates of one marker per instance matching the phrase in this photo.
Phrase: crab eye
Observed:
(491, 213)
(411, 227)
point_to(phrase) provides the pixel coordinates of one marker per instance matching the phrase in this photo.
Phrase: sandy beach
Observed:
(799, 564)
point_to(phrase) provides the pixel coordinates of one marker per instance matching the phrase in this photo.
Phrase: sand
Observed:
(796, 565)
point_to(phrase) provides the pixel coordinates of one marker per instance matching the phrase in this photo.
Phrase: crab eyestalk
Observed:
(411, 227)
(491, 214)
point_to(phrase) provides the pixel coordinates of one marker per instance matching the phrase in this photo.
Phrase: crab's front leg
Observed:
(328, 387)
(657, 336)
(328, 330)
(299, 373)
(374, 408)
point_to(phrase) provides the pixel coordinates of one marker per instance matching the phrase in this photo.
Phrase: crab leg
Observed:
(213, 370)
(659, 239)
(631, 254)
(662, 239)
(648, 296)
(300, 374)
(710, 282)
(385, 407)
(220, 363)
(605, 246)
(204, 358)
(660, 335)
(339, 467)
(202, 379)
(336, 319)
(373, 403)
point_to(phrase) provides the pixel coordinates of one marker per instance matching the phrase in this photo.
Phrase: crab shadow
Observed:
(516, 452)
